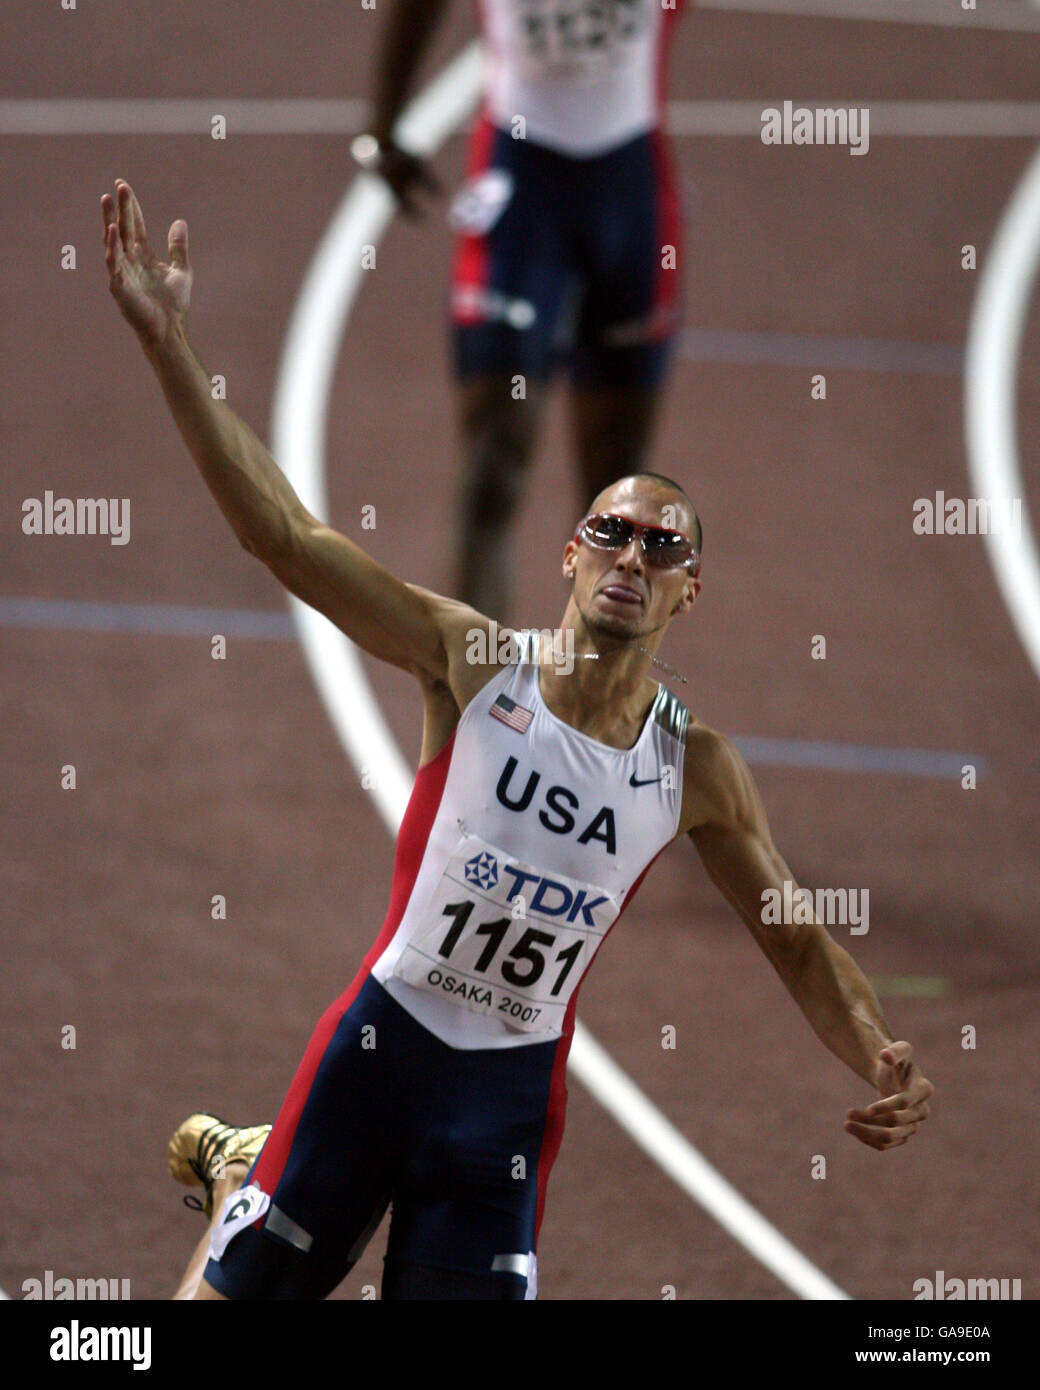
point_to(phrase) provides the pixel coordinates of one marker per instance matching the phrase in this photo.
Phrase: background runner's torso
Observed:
(586, 75)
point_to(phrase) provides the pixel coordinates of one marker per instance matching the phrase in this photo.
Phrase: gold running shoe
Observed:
(202, 1147)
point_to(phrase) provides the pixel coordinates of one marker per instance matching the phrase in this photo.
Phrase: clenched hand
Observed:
(903, 1105)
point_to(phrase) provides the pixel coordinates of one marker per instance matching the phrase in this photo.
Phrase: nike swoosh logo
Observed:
(635, 781)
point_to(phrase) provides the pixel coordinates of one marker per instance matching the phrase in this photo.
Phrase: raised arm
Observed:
(732, 836)
(388, 618)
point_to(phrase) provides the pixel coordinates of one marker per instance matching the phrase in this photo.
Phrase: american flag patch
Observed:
(509, 712)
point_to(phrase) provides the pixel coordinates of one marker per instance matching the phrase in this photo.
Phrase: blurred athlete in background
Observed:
(569, 230)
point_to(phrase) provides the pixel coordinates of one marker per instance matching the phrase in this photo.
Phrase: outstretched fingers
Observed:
(113, 245)
(177, 241)
(124, 215)
(130, 223)
(140, 234)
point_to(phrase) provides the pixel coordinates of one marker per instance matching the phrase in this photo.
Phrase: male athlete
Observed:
(569, 241)
(545, 790)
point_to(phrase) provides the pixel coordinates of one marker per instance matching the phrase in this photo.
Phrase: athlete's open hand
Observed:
(903, 1105)
(152, 294)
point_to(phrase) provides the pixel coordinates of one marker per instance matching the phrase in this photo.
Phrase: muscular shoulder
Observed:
(467, 638)
(717, 786)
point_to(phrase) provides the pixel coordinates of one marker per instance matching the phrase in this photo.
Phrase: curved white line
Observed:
(992, 354)
(299, 415)
(298, 441)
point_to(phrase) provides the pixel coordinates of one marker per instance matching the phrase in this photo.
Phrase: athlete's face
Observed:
(618, 592)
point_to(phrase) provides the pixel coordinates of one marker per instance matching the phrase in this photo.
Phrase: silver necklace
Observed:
(594, 656)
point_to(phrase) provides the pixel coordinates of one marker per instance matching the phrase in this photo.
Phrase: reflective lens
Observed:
(611, 532)
(661, 547)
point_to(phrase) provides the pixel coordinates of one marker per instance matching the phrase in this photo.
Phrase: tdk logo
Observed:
(482, 870)
(550, 898)
(560, 803)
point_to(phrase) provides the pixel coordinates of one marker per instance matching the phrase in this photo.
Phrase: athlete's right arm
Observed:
(409, 28)
(400, 624)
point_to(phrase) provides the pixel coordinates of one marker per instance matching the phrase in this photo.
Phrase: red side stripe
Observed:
(471, 252)
(411, 846)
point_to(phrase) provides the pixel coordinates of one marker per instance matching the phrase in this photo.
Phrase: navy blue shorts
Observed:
(562, 258)
(381, 1112)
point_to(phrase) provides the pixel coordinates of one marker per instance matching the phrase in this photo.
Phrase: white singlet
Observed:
(523, 842)
(586, 75)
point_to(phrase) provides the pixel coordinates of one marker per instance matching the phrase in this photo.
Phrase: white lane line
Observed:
(1016, 15)
(994, 345)
(299, 415)
(298, 442)
(175, 116)
(622, 1098)
(271, 117)
(298, 421)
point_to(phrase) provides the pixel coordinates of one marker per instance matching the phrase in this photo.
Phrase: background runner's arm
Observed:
(739, 855)
(406, 37)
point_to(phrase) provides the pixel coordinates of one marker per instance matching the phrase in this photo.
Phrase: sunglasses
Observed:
(662, 547)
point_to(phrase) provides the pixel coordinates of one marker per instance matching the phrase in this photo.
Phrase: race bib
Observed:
(576, 37)
(502, 938)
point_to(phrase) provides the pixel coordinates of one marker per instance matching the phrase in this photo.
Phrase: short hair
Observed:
(698, 533)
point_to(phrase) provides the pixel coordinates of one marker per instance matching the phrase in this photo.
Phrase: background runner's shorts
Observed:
(382, 1112)
(560, 256)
